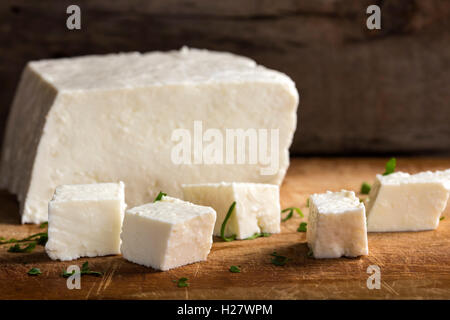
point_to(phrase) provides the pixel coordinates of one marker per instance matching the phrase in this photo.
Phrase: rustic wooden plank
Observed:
(413, 265)
(376, 91)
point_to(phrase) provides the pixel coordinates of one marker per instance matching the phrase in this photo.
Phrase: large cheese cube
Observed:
(167, 234)
(257, 206)
(143, 119)
(85, 220)
(404, 202)
(336, 225)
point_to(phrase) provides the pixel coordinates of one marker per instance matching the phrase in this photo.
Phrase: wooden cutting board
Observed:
(413, 265)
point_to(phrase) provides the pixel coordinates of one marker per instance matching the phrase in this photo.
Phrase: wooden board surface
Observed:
(413, 265)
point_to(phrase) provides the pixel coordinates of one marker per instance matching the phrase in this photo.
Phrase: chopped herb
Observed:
(34, 272)
(224, 223)
(441, 218)
(291, 212)
(44, 225)
(38, 238)
(26, 248)
(66, 274)
(159, 196)
(182, 282)
(307, 203)
(310, 253)
(390, 166)
(278, 260)
(235, 269)
(302, 227)
(84, 271)
(365, 188)
(1, 238)
(258, 235)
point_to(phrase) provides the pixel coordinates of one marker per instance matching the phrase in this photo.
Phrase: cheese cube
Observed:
(85, 220)
(440, 176)
(404, 202)
(336, 225)
(167, 234)
(257, 206)
(79, 120)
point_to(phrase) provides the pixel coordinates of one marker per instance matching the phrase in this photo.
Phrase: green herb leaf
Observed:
(43, 225)
(365, 188)
(441, 218)
(307, 203)
(390, 166)
(302, 227)
(258, 235)
(34, 272)
(38, 238)
(224, 224)
(85, 267)
(66, 274)
(235, 269)
(278, 260)
(291, 212)
(83, 271)
(160, 196)
(26, 248)
(182, 282)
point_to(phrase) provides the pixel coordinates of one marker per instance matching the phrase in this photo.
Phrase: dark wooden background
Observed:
(361, 91)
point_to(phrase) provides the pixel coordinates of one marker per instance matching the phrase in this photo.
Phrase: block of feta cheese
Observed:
(404, 202)
(152, 120)
(85, 220)
(336, 225)
(441, 176)
(167, 234)
(257, 206)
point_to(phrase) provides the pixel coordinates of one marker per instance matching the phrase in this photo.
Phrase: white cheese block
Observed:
(257, 206)
(167, 234)
(404, 202)
(440, 176)
(85, 220)
(113, 118)
(336, 225)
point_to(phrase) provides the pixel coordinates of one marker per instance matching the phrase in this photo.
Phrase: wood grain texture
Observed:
(413, 265)
(361, 91)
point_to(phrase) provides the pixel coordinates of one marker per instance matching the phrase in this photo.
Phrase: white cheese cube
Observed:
(336, 225)
(257, 206)
(167, 234)
(440, 176)
(404, 202)
(79, 120)
(85, 220)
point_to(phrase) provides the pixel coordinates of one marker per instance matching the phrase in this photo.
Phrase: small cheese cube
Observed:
(85, 220)
(404, 202)
(257, 206)
(337, 225)
(167, 234)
